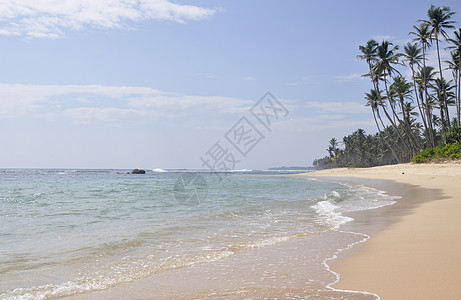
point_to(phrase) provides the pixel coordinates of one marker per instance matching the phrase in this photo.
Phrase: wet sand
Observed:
(416, 254)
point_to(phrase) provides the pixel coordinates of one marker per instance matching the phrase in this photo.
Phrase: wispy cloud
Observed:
(338, 107)
(348, 77)
(380, 38)
(52, 18)
(319, 79)
(95, 103)
(322, 122)
(249, 78)
(206, 75)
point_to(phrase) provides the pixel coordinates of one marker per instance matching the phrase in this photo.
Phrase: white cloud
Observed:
(249, 78)
(206, 75)
(338, 107)
(97, 103)
(321, 122)
(380, 38)
(348, 77)
(51, 18)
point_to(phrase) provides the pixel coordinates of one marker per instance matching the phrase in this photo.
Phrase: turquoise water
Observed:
(65, 232)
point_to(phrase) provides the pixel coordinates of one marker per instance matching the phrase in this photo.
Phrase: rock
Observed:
(137, 171)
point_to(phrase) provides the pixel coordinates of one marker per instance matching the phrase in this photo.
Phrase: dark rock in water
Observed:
(137, 171)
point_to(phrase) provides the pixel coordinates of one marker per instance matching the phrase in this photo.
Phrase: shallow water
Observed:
(68, 232)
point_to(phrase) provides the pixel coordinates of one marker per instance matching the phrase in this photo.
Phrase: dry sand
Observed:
(419, 256)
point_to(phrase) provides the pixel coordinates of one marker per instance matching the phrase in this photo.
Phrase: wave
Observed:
(158, 170)
(330, 215)
(132, 269)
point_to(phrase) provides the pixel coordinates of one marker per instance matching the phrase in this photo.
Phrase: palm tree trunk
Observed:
(444, 96)
(393, 122)
(458, 106)
(379, 130)
(426, 100)
(423, 117)
(396, 130)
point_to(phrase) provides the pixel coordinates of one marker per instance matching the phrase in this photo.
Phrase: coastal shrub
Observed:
(449, 151)
(452, 136)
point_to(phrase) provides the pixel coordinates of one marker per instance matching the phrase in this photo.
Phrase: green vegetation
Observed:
(450, 148)
(412, 115)
(450, 151)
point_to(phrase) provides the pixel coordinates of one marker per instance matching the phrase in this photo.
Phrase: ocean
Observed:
(70, 232)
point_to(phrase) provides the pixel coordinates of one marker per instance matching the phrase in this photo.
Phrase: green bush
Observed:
(449, 151)
(452, 136)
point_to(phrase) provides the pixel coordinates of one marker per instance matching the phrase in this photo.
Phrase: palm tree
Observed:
(387, 57)
(455, 65)
(423, 36)
(374, 101)
(412, 54)
(333, 148)
(445, 97)
(456, 60)
(401, 89)
(369, 52)
(439, 20)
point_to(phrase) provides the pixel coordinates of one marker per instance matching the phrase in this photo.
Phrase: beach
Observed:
(418, 255)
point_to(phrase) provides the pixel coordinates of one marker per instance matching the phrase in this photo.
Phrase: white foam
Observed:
(268, 242)
(158, 170)
(330, 215)
(365, 198)
(336, 194)
(365, 237)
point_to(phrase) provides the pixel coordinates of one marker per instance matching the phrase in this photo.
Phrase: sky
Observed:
(171, 84)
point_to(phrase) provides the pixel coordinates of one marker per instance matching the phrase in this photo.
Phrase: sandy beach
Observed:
(418, 256)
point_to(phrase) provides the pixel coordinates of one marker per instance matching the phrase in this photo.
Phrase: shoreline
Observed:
(415, 253)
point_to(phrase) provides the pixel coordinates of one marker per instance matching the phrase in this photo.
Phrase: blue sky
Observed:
(156, 83)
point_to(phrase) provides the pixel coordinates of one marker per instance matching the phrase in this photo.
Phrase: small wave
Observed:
(242, 170)
(359, 198)
(130, 270)
(330, 215)
(158, 170)
(232, 171)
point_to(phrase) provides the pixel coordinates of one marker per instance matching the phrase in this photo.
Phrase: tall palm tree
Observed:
(333, 148)
(401, 89)
(424, 79)
(439, 20)
(445, 97)
(423, 36)
(374, 100)
(413, 55)
(369, 54)
(455, 65)
(387, 57)
(456, 59)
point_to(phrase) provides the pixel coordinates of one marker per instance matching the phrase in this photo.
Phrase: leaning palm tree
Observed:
(455, 65)
(374, 100)
(413, 55)
(387, 57)
(456, 60)
(401, 89)
(369, 52)
(444, 96)
(439, 20)
(423, 35)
